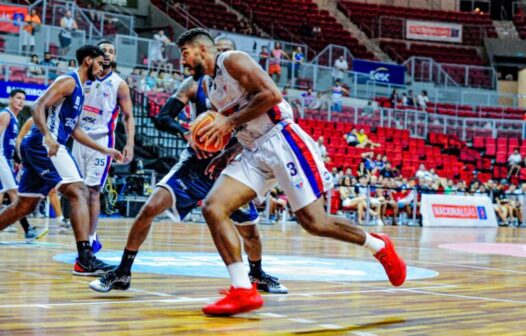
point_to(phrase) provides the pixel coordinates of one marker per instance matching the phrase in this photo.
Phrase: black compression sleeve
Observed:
(165, 121)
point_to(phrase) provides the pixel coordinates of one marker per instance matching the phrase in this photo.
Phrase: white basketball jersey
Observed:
(228, 96)
(100, 109)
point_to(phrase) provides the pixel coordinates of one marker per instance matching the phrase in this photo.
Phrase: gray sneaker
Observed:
(65, 226)
(10, 228)
(35, 233)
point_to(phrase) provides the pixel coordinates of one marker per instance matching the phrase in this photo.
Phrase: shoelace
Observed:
(271, 280)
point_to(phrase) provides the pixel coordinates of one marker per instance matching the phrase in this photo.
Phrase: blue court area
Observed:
(286, 267)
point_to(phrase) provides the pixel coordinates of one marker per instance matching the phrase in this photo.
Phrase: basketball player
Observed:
(275, 149)
(52, 196)
(103, 99)
(47, 162)
(181, 190)
(8, 134)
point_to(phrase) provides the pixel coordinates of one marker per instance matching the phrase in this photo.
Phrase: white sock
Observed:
(238, 275)
(373, 244)
(92, 238)
(60, 219)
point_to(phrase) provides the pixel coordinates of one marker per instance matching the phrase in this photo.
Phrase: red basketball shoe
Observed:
(236, 301)
(393, 264)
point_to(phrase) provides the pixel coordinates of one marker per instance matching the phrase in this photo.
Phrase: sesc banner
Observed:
(459, 211)
(11, 18)
(381, 72)
(433, 31)
(33, 91)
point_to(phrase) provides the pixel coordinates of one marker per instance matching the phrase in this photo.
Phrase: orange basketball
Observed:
(201, 121)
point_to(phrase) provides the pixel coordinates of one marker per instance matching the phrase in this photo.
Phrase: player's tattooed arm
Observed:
(165, 120)
(62, 87)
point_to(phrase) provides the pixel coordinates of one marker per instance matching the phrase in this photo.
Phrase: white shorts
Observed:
(93, 165)
(7, 176)
(289, 157)
(28, 39)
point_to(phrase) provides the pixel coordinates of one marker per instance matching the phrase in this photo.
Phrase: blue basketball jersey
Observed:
(63, 117)
(8, 136)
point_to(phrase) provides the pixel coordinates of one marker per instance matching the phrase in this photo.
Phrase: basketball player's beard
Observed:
(199, 71)
(90, 74)
(112, 64)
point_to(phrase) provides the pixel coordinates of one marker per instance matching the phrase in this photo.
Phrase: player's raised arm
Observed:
(61, 88)
(126, 106)
(165, 120)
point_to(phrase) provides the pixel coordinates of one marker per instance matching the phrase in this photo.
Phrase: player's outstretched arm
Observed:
(165, 120)
(79, 135)
(125, 103)
(61, 87)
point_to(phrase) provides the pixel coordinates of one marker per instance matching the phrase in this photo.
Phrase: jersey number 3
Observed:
(292, 168)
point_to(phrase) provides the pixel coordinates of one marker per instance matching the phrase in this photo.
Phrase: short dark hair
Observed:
(226, 38)
(88, 51)
(15, 91)
(193, 34)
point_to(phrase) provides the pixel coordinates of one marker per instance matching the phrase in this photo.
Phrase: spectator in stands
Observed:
(422, 173)
(32, 24)
(72, 65)
(378, 162)
(514, 163)
(340, 69)
(422, 100)
(337, 96)
(151, 80)
(410, 98)
(322, 150)
(351, 138)
(34, 70)
(388, 171)
(49, 62)
(157, 49)
(364, 141)
(263, 57)
(350, 200)
(276, 55)
(93, 16)
(335, 176)
(393, 99)
(69, 26)
(297, 57)
(368, 110)
(450, 188)
(368, 160)
(362, 171)
(309, 99)
(134, 78)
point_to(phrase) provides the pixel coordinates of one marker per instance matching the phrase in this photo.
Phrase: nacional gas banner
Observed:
(11, 13)
(33, 91)
(380, 72)
(460, 211)
(433, 31)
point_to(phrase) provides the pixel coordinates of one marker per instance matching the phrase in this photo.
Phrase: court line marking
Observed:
(272, 315)
(330, 326)
(302, 320)
(469, 297)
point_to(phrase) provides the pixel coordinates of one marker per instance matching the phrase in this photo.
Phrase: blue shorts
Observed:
(42, 173)
(189, 185)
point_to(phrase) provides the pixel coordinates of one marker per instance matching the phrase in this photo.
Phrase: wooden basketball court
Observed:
(480, 288)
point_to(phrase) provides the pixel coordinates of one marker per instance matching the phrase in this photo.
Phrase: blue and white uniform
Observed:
(7, 150)
(276, 148)
(188, 183)
(98, 119)
(42, 173)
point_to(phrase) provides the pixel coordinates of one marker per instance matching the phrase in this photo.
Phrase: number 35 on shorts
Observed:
(100, 162)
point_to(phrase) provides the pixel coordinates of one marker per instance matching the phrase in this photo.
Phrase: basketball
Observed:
(201, 121)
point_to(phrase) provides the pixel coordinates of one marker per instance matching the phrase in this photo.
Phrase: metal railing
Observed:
(329, 54)
(419, 123)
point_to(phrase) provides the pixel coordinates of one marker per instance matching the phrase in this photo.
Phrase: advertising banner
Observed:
(9, 13)
(33, 91)
(459, 211)
(433, 31)
(381, 72)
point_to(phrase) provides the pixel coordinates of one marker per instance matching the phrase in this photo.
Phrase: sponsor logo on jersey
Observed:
(298, 183)
(71, 122)
(44, 172)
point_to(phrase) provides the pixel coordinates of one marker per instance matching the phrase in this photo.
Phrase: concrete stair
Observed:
(371, 45)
